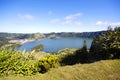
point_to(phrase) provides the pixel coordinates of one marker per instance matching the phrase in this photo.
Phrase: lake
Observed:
(54, 45)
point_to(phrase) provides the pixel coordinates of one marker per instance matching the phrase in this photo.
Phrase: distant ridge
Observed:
(74, 34)
(61, 34)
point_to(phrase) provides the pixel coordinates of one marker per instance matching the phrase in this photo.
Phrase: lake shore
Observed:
(21, 41)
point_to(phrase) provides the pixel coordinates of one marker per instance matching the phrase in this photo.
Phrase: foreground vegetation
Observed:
(102, 70)
(25, 63)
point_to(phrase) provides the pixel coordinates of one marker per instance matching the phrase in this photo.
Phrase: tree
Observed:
(79, 56)
(84, 48)
(83, 53)
(107, 46)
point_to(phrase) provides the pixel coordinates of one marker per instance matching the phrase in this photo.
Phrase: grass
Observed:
(101, 70)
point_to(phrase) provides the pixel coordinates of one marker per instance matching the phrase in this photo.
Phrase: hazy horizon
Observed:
(46, 16)
(49, 32)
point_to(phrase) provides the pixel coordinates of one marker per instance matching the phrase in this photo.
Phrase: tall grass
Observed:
(102, 70)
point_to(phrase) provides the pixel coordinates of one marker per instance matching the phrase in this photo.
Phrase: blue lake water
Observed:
(54, 45)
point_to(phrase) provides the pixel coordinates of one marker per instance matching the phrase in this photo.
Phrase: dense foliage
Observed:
(107, 46)
(23, 63)
(50, 61)
(12, 62)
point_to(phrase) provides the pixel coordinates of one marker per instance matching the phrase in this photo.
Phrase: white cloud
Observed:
(72, 19)
(104, 23)
(25, 16)
(73, 16)
(55, 20)
(101, 23)
(75, 23)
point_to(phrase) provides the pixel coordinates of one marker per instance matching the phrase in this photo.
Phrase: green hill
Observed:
(102, 70)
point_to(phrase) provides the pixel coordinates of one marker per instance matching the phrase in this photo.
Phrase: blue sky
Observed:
(44, 16)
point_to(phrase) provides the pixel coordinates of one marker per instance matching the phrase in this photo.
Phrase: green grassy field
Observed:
(101, 70)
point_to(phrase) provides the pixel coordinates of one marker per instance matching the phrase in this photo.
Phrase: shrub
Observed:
(12, 62)
(50, 61)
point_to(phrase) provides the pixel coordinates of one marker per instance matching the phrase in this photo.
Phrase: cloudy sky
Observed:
(44, 16)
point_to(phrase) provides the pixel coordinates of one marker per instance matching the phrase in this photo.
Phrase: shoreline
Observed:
(21, 41)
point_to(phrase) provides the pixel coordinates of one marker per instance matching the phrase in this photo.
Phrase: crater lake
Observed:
(56, 44)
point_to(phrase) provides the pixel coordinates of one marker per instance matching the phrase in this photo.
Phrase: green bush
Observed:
(28, 67)
(22, 63)
(13, 62)
(50, 61)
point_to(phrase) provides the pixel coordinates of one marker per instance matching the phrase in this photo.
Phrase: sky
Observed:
(45, 16)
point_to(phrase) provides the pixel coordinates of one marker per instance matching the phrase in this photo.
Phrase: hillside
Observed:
(61, 34)
(102, 70)
(75, 34)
